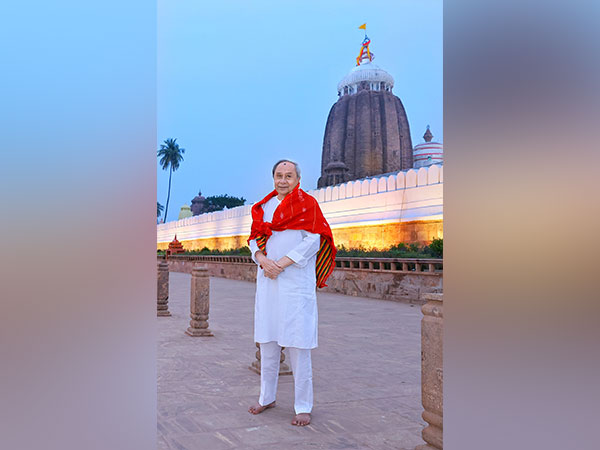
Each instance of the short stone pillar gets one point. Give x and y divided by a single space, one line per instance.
432 375
162 299
284 369
199 303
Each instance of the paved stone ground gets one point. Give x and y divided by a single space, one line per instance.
366 376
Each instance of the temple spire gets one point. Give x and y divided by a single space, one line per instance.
428 136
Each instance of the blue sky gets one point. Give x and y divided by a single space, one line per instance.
242 84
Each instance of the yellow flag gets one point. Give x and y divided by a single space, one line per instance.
363 27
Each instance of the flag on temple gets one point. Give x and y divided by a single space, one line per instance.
363 27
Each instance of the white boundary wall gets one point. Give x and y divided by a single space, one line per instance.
415 194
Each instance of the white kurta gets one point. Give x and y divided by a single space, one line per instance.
285 309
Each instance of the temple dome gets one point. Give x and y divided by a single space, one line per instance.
369 73
185 212
198 204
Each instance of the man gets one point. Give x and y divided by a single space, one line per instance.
292 243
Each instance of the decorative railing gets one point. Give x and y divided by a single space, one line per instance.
405 265
421 265
243 259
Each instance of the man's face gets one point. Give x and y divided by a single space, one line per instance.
285 178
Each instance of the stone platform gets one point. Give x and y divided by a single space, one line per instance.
366 376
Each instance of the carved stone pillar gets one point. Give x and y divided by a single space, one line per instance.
162 300
199 303
284 369
432 375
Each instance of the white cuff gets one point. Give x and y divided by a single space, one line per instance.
300 260
253 249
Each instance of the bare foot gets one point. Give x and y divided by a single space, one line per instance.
257 408
301 419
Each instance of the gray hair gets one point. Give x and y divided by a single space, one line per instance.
296 166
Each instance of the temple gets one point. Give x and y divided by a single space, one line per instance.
428 152
198 203
175 246
367 131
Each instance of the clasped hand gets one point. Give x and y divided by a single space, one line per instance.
272 269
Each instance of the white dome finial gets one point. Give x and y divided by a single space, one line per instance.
366 75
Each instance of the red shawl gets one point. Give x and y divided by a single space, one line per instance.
297 211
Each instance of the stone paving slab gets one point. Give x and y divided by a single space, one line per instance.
366 376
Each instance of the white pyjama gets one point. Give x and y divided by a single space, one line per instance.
301 368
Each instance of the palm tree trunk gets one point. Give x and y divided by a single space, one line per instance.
168 194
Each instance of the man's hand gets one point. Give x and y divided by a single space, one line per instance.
271 268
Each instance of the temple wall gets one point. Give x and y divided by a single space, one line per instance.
373 213
382 236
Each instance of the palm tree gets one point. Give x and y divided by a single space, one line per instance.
170 155
159 209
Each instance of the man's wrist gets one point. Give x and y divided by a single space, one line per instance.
285 262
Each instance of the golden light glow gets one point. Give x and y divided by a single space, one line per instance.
380 236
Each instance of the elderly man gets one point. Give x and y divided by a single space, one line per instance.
292 243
